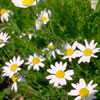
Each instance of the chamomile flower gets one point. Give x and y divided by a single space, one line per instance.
87 51
24 3
94 4
59 75
30 35
35 62
12 67
83 91
70 51
5 14
3 39
52 50
44 16
16 78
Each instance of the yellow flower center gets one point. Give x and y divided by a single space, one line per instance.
1 41
87 52
27 2
69 52
60 74
3 11
28 33
35 60
52 47
84 92
44 19
14 78
14 67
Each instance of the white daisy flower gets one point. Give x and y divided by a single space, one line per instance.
5 14
12 67
16 78
3 39
70 51
52 50
59 75
30 35
94 4
83 91
24 3
44 16
87 51
35 61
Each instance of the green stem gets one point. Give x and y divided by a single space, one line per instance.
24 76
47 29
5 51
33 12
14 26
53 33
37 6
52 28
27 46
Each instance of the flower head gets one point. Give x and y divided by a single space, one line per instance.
87 51
52 50
59 75
3 39
83 91
5 14
24 3
12 67
44 16
16 78
70 51
30 35
35 61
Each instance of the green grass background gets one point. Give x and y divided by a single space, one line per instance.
71 20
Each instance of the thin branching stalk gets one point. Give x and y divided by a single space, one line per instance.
33 12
